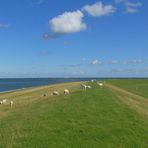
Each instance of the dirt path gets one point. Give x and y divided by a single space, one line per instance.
134 101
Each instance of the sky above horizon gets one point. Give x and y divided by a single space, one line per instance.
85 38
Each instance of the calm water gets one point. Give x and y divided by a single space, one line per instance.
13 84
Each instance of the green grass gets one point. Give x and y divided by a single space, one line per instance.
95 118
137 86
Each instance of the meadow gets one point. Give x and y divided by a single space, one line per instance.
114 116
137 86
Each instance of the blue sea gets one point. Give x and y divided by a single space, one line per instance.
20 83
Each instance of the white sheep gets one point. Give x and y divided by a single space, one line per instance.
100 84
55 93
4 101
66 91
83 86
11 103
88 86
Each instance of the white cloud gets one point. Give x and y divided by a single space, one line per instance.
99 9
113 62
132 7
96 62
68 22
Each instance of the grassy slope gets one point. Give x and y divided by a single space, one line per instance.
137 86
95 118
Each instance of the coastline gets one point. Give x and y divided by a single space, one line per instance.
11 85
35 88
54 83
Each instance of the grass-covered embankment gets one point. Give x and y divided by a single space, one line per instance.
137 86
87 119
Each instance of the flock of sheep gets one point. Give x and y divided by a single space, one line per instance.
66 92
5 101
83 86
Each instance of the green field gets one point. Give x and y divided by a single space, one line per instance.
105 117
138 86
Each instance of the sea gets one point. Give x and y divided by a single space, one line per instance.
11 84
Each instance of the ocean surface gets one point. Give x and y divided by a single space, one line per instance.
20 83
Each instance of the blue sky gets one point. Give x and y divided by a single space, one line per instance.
85 38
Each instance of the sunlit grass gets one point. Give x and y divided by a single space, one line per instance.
84 119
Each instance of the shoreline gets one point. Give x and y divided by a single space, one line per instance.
12 85
40 87
58 83
20 89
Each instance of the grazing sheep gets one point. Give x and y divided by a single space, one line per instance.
100 84
66 91
1 102
88 86
11 103
92 80
83 86
55 93
4 101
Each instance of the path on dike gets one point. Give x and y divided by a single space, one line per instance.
134 101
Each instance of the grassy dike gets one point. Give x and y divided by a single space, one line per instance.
96 118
